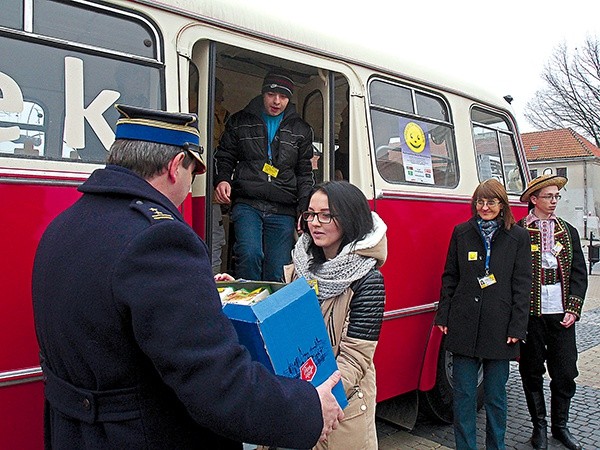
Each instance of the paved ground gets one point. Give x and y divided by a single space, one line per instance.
584 420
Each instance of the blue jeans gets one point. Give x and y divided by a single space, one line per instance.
464 378
263 243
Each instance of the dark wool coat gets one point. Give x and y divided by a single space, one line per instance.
242 154
480 320
127 313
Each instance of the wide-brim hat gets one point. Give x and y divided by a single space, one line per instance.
171 128
540 183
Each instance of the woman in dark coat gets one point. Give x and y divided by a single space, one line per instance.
483 310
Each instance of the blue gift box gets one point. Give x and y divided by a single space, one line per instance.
286 332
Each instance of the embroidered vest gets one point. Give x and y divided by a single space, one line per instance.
564 259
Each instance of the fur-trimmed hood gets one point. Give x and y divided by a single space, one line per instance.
373 245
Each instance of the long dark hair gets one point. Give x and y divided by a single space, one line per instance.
350 210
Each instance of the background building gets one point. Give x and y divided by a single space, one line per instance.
566 153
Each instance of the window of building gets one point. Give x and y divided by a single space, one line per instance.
533 173
561 172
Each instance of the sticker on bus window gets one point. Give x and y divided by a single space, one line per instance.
416 154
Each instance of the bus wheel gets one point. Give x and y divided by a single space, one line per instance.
437 403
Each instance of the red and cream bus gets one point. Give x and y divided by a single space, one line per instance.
414 141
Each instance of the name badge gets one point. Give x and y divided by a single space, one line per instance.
270 170
314 284
557 248
486 281
472 256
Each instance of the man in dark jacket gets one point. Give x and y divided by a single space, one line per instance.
263 166
135 349
557 294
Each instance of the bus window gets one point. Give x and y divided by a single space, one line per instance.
496 149
413 136
78 23
432 107
332 134
391 96
12 14
70 115
313 114
31 123
342 150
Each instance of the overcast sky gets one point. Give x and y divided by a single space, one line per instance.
501 45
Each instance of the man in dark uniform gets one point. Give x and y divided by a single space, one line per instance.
557 294
135 349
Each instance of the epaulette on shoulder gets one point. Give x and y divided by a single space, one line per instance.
153 212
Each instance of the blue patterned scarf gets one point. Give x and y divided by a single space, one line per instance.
487 229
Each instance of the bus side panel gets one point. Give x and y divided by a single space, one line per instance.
399 354
21 404
418 234
429 371
198 215
21 416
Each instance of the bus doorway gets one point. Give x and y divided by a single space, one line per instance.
227 87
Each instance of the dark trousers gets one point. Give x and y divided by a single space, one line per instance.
464 378
551 343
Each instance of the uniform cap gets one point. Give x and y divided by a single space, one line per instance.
540 183
162 127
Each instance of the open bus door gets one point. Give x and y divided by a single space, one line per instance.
324 103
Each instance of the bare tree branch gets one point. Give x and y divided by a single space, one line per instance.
571 97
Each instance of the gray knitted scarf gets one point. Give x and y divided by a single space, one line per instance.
333 276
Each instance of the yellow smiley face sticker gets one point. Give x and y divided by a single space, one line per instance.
414 137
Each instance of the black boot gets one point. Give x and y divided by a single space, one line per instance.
537 410
560 417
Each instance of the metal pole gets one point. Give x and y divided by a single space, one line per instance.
591 264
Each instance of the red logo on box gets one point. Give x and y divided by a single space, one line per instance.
308 370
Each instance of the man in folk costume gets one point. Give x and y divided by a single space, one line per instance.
558 290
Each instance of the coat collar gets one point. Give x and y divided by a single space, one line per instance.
118 180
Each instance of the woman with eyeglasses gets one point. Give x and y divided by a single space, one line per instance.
483 310
340 251
343 245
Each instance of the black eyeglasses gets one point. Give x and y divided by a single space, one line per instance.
550 197
322 217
